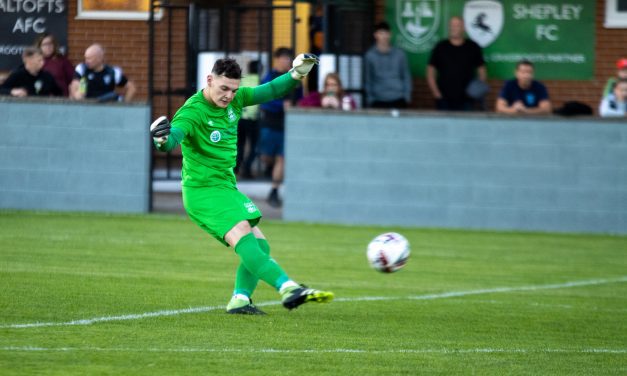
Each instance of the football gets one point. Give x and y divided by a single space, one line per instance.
388 252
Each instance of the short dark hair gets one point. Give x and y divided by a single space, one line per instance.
524 62
30 51
382 26
283 51
228 68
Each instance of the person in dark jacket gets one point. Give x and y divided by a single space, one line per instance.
30 78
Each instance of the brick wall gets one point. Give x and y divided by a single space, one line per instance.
126 44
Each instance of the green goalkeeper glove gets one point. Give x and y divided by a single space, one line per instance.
302 65
160 129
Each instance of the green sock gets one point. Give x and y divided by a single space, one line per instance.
258 262
245 281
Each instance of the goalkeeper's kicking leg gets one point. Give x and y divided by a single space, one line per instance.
256 263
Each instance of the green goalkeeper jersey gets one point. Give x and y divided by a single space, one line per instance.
208 133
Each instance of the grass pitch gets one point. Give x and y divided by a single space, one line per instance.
144 295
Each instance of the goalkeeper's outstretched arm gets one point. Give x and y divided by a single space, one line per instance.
282 85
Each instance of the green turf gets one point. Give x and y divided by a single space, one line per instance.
59 267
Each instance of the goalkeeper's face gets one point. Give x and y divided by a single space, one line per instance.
221 90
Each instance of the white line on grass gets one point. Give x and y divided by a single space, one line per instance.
444 295
315 351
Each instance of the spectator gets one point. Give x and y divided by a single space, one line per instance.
248 127
388 82
30 78
621 66
272 124
55 62
455 61
95 79
615 103
523 95
332 96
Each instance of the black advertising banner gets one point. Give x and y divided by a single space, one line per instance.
22 21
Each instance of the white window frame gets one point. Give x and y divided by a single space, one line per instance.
614 18
114 14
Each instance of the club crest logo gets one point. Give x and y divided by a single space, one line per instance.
38 86
417 20
215 136
483 20
231 114
250 207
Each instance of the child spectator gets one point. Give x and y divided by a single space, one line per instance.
615 103
332 96
30 78
621 72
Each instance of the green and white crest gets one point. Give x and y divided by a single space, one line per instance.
215 136
417 20
231 114
250 207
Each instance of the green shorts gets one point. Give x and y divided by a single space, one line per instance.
218 210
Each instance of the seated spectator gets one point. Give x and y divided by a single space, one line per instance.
55 63
621 72
97 80
615 103
523 95
332 96
30 78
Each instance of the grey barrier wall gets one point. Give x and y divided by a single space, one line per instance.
75 156
457 171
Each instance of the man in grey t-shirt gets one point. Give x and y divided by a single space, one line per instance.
388 81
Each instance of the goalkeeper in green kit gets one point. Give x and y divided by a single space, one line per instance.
206 128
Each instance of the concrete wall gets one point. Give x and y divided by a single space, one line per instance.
61 155
470 171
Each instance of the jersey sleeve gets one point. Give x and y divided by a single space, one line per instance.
245 96
182 126
277 88
478 58
543 93
505 92
8 84
120 78
174 139
79 71
434 58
